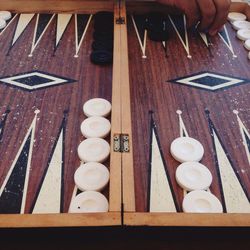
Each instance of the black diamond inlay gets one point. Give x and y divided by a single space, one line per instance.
210 81
33 80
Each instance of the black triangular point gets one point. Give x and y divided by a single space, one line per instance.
12 195
82 20
180 25
43 21
247 141
140 24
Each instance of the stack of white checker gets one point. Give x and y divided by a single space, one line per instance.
194 177
240 23
92 176
4 17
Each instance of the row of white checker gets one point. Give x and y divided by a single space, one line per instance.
194 177
4 16
239 23
92 176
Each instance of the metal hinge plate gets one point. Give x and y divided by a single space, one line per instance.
121 143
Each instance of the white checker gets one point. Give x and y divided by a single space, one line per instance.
2 23
89 202
239 25
95 126
193 176
243 34
93 150
97 107
236 16
185 149
6 15
200 201
91 176
247 44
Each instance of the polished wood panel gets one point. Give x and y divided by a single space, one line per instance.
53 102
152 89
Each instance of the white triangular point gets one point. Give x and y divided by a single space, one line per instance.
34 42
244 132
62 23
31 130
204 38
24 20
186 42
9 23
228 42
49 198
142 43
183 133
234 195
78 45
183 130
161 199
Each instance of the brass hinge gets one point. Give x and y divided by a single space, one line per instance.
121 143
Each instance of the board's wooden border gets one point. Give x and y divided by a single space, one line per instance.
54 6
60 220
115 192
127 158
186 220
121 183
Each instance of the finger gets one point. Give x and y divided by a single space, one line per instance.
192 13
207 12
222 9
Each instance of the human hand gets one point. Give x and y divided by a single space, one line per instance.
212 14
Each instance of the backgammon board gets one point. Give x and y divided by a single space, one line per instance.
190 85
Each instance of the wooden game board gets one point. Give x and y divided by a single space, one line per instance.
46 76
184 87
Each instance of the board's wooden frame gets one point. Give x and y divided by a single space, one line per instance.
122 196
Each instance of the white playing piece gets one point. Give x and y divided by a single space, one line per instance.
185 149
93 150
239 25
91 176
247 44
89 202
193 176
2 23
95 126
243 34
201 201
6 15
97 107
235 16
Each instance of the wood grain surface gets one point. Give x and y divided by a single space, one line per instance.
90 81
152 89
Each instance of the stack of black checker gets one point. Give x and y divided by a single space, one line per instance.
102 46
156 26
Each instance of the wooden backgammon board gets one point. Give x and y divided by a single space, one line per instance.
190 85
